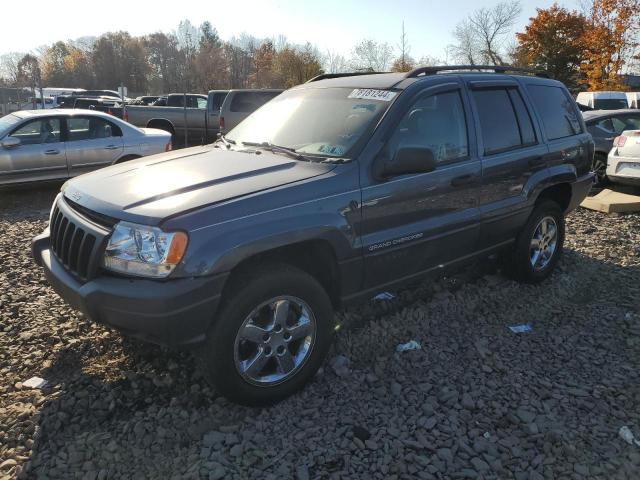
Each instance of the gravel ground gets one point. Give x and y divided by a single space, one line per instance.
477 401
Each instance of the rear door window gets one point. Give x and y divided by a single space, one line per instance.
557 111
89 128
498 122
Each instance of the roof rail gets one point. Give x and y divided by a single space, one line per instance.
325 76
493 68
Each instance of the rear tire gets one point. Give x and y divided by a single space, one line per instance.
539 244
270 336
126 158
599 166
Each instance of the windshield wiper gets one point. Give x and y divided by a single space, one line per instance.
291 152
227 142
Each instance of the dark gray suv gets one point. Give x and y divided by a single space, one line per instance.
335 190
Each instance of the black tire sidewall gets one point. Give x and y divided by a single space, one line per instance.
217 354
522 267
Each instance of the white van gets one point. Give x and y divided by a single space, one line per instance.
603 100
633 99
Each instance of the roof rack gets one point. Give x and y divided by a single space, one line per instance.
492 68
325 76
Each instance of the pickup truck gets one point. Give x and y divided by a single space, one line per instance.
332 192
199 127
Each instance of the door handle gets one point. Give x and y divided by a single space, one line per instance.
111 147
462 180
51 152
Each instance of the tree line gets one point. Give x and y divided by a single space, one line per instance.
189 59
588 49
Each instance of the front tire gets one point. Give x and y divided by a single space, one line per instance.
539 244
270 337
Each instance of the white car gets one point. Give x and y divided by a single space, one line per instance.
603 100
623 163
52 145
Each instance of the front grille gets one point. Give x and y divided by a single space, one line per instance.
74 243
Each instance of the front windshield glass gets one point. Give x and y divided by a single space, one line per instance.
315 121
6 123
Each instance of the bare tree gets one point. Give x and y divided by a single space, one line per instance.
9 66
333 62
404 62
372 56
481 36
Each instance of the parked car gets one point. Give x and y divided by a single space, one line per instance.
633 99
330 193
108 105
215 99
68 101
239 104
604 126
603 100
170 118
623 165
51 145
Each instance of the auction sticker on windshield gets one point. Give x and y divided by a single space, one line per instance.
371 94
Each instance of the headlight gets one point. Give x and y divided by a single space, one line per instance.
144 251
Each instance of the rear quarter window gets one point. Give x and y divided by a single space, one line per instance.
557 111
250 101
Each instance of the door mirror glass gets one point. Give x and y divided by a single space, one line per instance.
409 160
10 142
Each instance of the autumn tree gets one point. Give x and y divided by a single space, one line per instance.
264 72
609 42
53 67
552 41
296 65
210 66
118 57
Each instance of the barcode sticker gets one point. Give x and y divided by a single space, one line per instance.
371 94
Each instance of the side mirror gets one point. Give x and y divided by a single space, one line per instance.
10 142
409 160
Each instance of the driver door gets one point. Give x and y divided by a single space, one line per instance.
414 223
40 156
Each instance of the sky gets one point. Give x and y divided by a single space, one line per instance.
332 25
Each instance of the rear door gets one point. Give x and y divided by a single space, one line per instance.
416 222
40 155
512 155
91 142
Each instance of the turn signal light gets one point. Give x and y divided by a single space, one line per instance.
221 123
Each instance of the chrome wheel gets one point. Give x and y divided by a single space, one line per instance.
543 244
274 341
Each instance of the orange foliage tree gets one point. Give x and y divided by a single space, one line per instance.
609 42
552 42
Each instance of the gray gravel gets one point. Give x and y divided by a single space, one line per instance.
477 401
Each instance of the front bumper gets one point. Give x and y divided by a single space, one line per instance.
174 312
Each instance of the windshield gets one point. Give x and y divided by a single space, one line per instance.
317 121
610 103
6 123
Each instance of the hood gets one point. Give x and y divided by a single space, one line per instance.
150 189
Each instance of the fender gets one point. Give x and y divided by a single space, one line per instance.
555 175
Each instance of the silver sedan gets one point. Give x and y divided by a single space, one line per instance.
48 145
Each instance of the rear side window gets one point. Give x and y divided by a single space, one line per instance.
216 101
249 101
557 111
498 120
